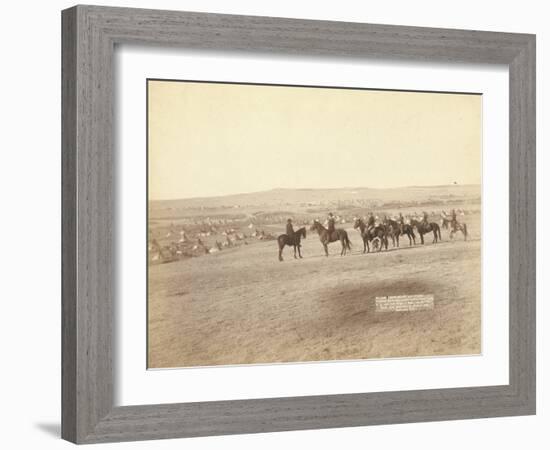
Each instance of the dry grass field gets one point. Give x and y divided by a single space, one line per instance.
241 305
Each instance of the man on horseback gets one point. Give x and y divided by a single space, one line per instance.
454 222
331 224
401 221
370 222
290 230
425 219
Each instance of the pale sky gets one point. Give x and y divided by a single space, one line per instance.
208 139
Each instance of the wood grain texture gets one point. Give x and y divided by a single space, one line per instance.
523 223
89 36
68 226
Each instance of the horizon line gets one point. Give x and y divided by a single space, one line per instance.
201 197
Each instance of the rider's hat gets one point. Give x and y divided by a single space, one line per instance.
289 220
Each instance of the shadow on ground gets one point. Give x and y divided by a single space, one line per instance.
53 429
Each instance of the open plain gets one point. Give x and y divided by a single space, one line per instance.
237 304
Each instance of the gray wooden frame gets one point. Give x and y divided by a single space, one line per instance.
89 36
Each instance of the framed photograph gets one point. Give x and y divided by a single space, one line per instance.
278 224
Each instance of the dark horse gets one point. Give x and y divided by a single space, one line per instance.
447 224
396 229
377 235
285 239
338 235
426 227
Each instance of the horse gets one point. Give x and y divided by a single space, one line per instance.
425 227
326 238
285 239
462 227
376 235
396 229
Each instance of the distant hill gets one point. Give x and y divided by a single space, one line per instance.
319 197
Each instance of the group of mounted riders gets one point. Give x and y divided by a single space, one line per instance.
373 232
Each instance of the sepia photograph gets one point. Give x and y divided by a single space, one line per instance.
299 224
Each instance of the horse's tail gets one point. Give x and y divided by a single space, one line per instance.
348 242
438 232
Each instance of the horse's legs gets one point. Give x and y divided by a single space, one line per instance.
343 252
421 238
295 251
326 248
364 245
280 252
299 251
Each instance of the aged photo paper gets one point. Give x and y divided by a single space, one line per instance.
304 223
